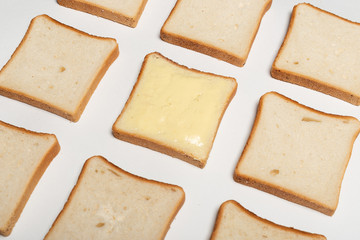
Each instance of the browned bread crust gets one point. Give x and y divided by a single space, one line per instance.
130 21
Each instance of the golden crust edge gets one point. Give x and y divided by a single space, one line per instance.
314 84
93 9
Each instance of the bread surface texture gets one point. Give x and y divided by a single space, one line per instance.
24 157
126 12
235 222
297 153
175 110
56 67
321 51
221 29
109 203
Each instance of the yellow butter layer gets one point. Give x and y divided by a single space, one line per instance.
176 107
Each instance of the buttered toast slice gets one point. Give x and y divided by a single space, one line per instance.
221 29
297 153
235 222
24 157
109 203
321 51
175 110
126 12
56 67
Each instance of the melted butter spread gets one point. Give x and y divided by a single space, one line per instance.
176 107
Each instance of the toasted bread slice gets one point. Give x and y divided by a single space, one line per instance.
297 153
24 157
175 110
321 51
109 203
221 29
236 222
126 12
56 67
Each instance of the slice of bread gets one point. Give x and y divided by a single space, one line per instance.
126 12
236 222
221 29
24 157
175 110
297 153
321 51
109 203
56 67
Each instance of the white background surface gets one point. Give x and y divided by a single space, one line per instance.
205 188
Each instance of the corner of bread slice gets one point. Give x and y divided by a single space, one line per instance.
332 68
111 203
65 68
303 155
25 155
175 110
124 12
234 222
225 32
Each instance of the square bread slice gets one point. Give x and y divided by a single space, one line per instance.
24 157
235 222
175 110
56 67
109 203
126 12
321 51
297 153
221 29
